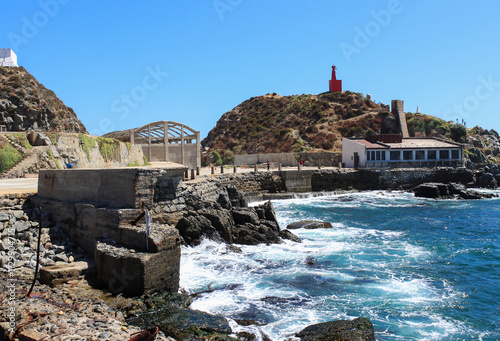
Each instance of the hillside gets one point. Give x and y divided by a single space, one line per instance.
26 104
317 123
279 124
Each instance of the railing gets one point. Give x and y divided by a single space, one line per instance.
414 164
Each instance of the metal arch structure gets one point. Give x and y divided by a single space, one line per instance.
166 141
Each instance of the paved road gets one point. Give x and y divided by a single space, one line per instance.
21 185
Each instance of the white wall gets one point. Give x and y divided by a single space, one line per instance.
8 58
349 147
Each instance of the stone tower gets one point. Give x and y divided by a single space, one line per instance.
397 108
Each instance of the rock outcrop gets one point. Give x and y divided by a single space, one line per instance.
360 329
448 191
229 219
25 104
309 224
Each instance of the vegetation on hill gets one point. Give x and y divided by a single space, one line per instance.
279 124
26 104
317 123
9 155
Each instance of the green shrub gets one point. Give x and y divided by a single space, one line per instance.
215 159
458 133
109 148
9 156
87 143
135 164
145 159
228 157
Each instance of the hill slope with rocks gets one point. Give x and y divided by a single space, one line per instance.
280 124
317 123
25 104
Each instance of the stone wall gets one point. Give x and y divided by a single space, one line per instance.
103 211
365 179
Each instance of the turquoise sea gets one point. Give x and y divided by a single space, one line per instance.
419 269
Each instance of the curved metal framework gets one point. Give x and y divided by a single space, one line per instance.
171 135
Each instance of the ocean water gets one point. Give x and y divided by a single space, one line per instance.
419 269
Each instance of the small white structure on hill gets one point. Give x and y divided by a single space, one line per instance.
8 58
395 151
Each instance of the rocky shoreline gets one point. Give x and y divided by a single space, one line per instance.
67 307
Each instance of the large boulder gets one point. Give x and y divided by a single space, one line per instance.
487 180
432 191
192 227
448 191
309 224
185 324
360 329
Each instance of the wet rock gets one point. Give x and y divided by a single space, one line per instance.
360 329
192 227
249 234
448 191
309 224
186 324
286 234
245 215
432 191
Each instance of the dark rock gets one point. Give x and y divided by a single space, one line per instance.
309 224
237 198
224 201
245 215
360 329
222 221
185 324
192 227
448 191
432 191
476 155
310 260
487 180
249 234
286 234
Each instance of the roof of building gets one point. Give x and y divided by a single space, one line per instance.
409 143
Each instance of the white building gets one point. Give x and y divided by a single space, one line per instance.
395 151
8 58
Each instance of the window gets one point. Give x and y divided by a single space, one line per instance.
444 154
395 155
368 156
420 155
431 155
455 154
378 155
407 154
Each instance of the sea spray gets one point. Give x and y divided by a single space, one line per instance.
417 268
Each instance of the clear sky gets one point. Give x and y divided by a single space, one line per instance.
123 64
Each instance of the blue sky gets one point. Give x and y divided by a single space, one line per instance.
124 64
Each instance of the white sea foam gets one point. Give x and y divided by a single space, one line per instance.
354 269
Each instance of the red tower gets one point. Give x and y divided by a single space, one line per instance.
335 85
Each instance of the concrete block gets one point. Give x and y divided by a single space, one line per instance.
135 273
57 274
